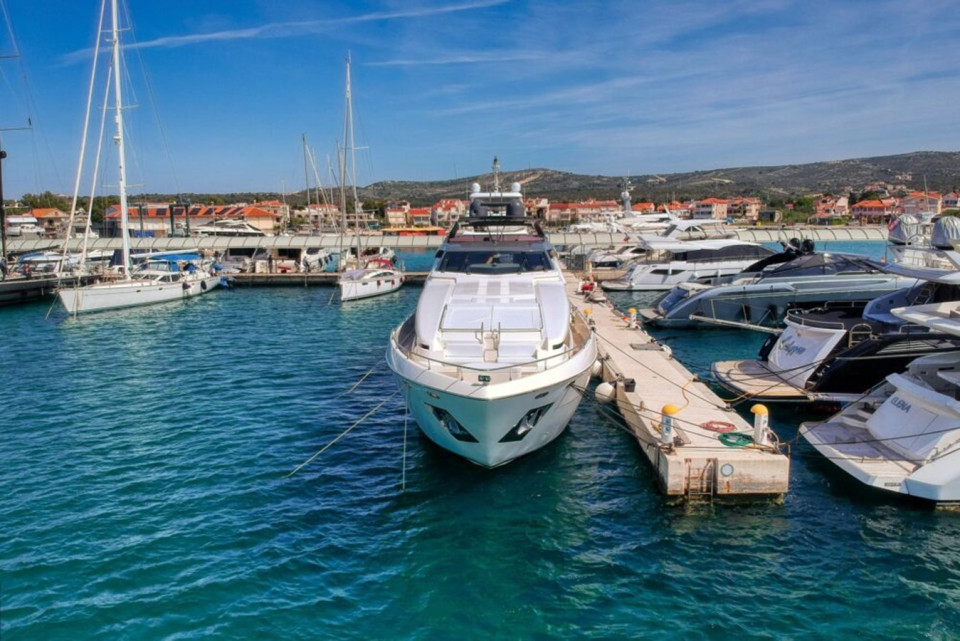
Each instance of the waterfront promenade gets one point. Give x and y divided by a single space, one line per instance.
773 233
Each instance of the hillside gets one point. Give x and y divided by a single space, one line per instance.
941 170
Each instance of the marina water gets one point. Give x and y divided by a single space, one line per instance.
149 467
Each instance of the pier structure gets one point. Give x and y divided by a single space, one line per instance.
20 289
699 447
415 243
304 279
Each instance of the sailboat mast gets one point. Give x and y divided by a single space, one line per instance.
118 118
306 175
351 149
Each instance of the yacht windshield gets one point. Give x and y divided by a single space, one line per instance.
494 262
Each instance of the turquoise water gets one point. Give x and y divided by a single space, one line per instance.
148 457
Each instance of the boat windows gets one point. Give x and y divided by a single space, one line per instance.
494 262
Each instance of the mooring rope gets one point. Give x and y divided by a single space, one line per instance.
403 477
342 434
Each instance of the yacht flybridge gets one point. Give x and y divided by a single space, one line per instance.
494 359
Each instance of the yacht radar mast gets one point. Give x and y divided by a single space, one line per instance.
625 195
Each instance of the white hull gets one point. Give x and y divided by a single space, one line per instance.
904 437
367 287
767 303
668 263
490 412
133 293
661 278
494 360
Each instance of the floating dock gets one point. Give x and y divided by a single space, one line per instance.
709 450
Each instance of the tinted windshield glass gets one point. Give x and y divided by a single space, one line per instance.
494 262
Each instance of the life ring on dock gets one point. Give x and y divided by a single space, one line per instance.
735 439
718 426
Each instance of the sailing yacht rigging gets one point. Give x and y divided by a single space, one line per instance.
371 275
155 281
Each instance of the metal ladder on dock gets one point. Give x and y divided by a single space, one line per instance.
702 483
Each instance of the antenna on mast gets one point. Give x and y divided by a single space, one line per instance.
496 174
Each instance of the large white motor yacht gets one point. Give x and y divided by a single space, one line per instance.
494 361
667 263
761 294
903 436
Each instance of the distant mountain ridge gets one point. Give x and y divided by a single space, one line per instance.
940 170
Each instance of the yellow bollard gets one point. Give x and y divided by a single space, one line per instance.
761 418
666 424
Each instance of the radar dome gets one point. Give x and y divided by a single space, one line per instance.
475 188
945 232
515 187
903 229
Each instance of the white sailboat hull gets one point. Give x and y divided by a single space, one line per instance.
367 287
132 293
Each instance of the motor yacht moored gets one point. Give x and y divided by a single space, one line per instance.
903 435
494 360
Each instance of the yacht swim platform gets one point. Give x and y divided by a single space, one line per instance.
699 463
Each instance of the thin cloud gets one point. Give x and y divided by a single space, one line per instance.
463 59
293 28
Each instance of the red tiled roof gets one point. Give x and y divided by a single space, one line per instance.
46 212
870 204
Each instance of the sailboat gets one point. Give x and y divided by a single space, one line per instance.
372 275
155 280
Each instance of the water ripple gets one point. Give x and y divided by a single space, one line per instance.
146 462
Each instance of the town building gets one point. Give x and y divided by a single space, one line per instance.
447 211
922 204
875 211
169 219
566 213
747 208
52 220
710 209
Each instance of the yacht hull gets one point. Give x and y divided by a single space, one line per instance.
764 305
491 428
106 296
903 436
653 279
367 287
491 416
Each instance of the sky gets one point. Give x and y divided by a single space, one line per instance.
220 93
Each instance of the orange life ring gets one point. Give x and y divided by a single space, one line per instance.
718 426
